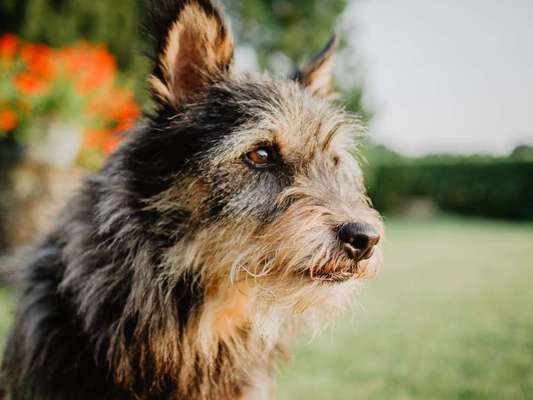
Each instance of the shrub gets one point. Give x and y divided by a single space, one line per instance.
76 83
502 188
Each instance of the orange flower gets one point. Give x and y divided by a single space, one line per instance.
92 67
101 73
8 120
104 140
38 60
71 61
111 144
29 84
88 69
95 138
124 125
8 45
114 104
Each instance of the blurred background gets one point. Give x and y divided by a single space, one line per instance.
446 89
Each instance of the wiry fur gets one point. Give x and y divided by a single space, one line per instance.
179 271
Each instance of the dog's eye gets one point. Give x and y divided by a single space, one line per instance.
261 157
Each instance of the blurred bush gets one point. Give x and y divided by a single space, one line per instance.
43 88
485 186
59 23
275 31
283 33
60 108
296 27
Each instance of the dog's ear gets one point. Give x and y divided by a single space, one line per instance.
317 75
194 48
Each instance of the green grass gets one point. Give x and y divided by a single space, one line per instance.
450 316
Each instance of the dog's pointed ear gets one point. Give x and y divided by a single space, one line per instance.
194 48
317 75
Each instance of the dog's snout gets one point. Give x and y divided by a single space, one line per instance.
358 239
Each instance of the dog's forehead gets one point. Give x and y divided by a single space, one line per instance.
281 112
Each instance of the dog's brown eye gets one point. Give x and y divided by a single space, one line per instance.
260 157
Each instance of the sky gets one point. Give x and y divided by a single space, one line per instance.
447 75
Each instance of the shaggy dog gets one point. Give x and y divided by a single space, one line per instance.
232 215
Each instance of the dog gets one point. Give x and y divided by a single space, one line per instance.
233 215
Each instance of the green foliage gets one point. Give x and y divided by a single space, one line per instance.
500 188
297 28
294 27
523 152
379 154
61 22
353 99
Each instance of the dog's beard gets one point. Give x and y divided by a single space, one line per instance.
302 245
314 294
292 271
299 271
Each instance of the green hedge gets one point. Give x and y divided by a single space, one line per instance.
502 189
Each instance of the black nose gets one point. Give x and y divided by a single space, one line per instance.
358 240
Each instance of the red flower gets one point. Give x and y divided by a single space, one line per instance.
38 60
115 104
95 138
111 144
90 70
29 84
102 71
8 46
8 120
92 67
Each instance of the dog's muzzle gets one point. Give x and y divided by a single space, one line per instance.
357 242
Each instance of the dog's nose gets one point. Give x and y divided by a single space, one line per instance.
358 240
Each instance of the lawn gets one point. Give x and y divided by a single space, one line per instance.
450 316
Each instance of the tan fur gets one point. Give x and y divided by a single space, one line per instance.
317 76
261 285
198 46
264 285
227 313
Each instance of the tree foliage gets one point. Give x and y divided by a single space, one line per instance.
61 22
295 28
499 189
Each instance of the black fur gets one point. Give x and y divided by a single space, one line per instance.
74 304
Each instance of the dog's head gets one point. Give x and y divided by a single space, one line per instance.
251 178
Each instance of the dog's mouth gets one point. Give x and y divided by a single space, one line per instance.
338 275
332 277
341 269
